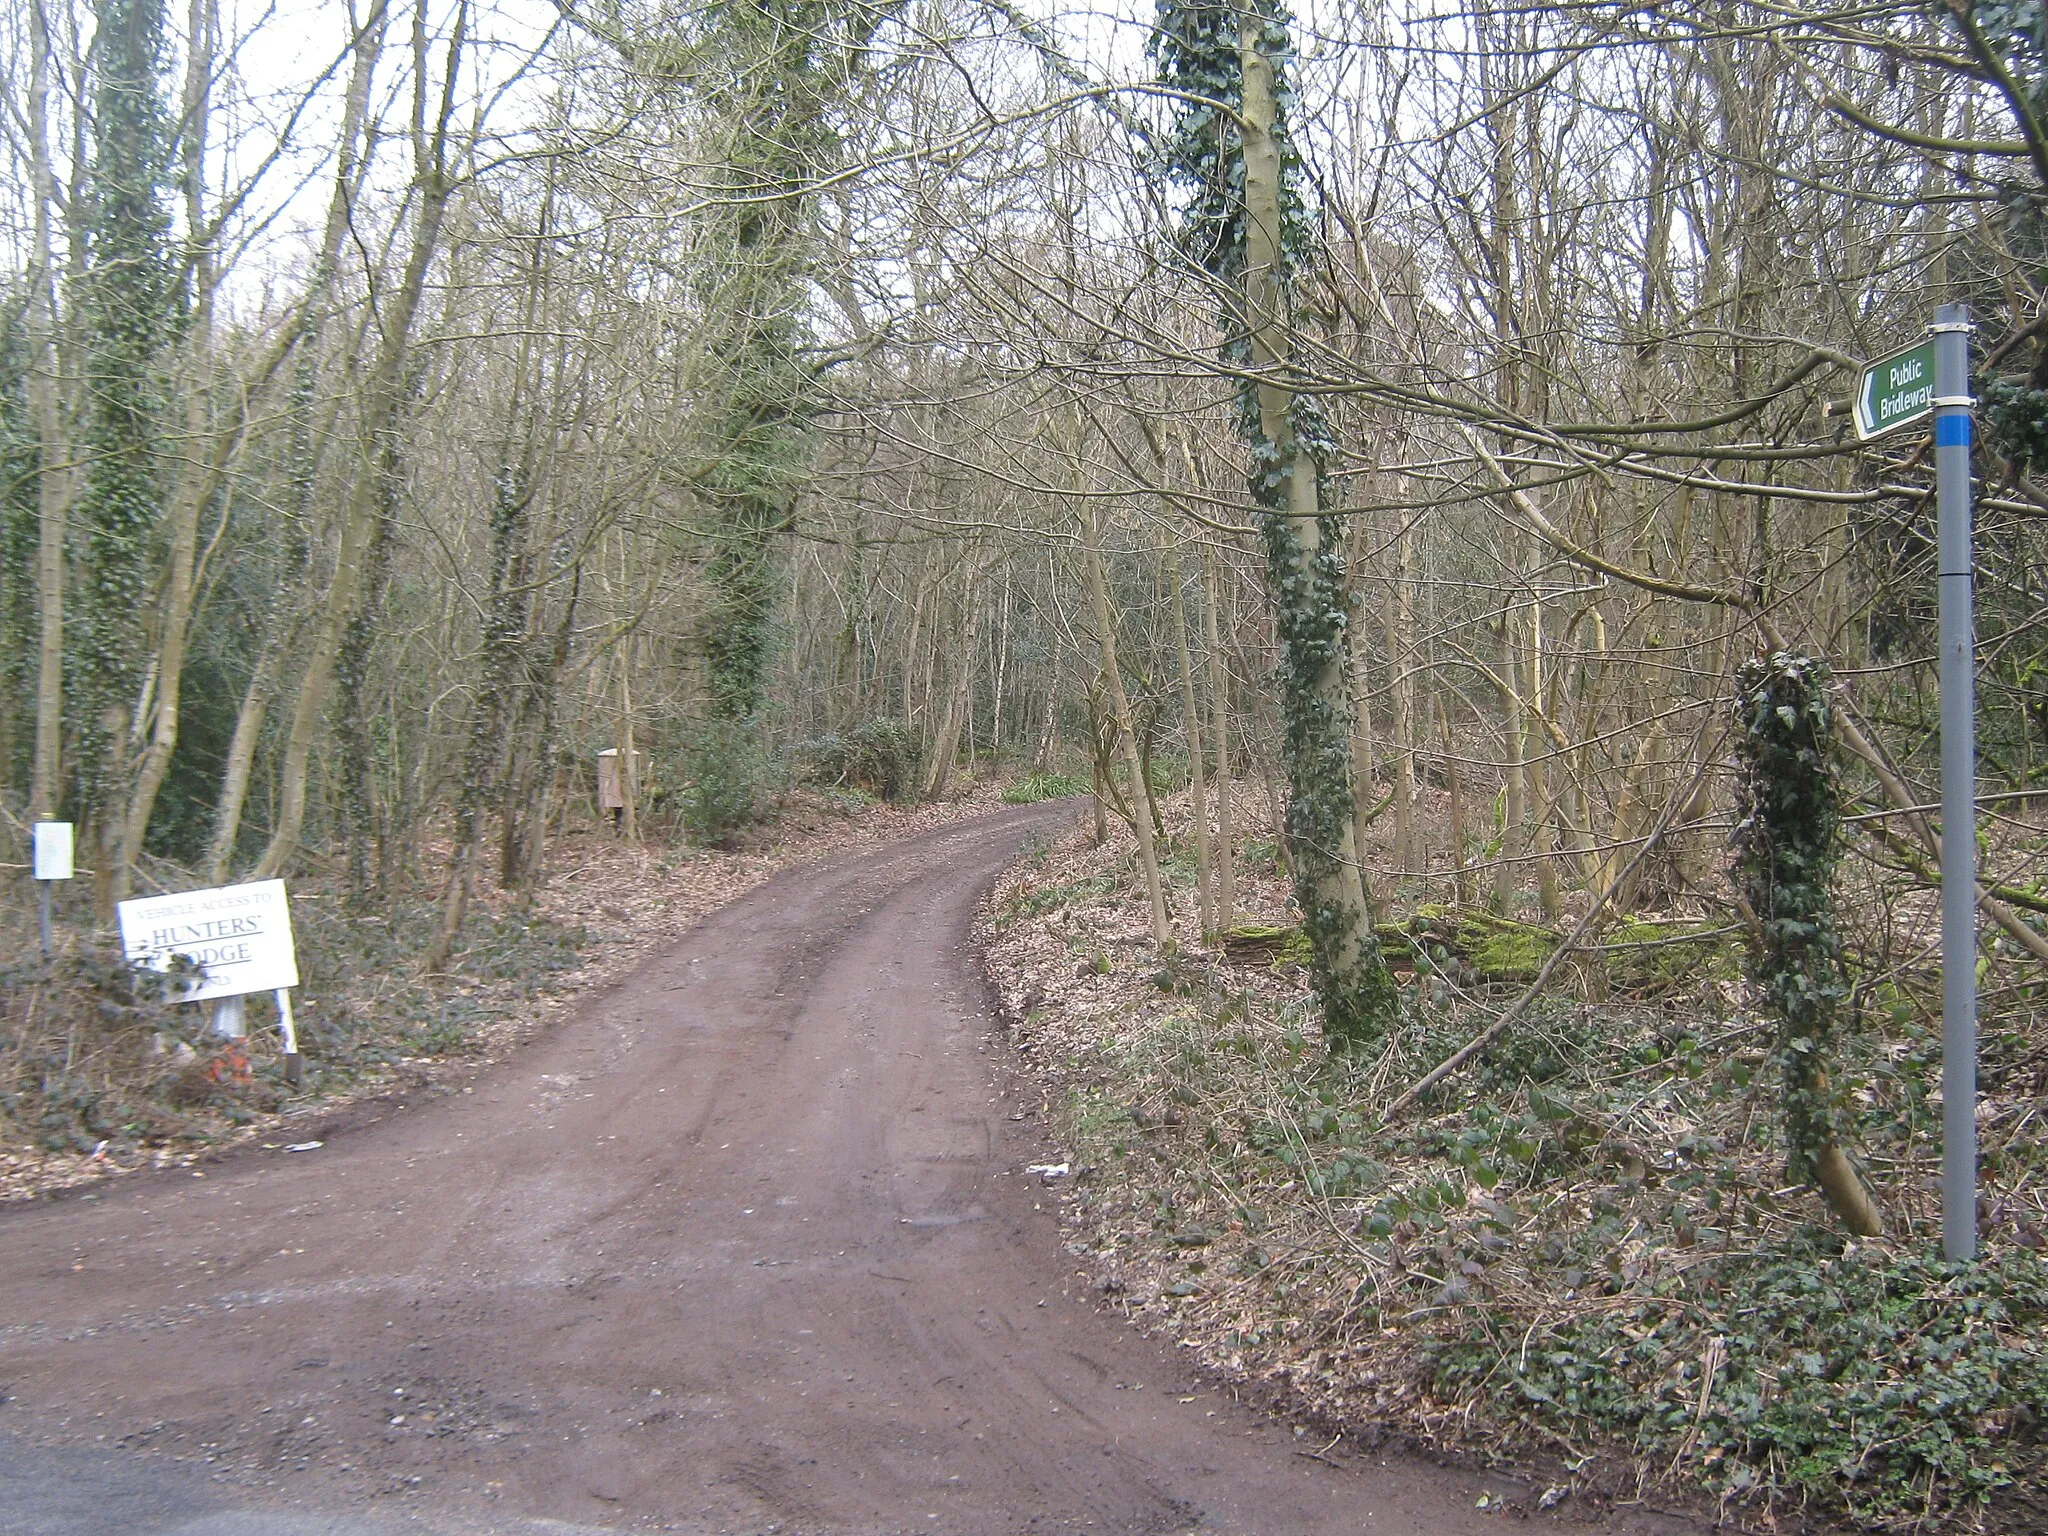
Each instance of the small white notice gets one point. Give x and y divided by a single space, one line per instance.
53 850
239 938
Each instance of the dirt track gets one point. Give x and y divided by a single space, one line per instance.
744 1247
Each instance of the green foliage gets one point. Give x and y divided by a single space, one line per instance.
1196 51
1168 772
1034 787
61 1027
1494 948
2018 418
1786 846
879 756
182 819
2018 30
371 1005
1498 1254
1580 1242
1037 900
1891 1382
727 781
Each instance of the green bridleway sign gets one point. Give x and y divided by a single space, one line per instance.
1896 390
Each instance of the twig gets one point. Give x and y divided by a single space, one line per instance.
1568 946
1323 1454
1710 1367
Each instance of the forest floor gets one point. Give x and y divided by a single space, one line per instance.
1577 1261
760 1239
1580 1254
97 1082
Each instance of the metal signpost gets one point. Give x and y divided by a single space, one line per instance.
1952 406
1933 378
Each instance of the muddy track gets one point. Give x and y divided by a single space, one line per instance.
744 1246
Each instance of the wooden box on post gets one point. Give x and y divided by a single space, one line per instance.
612 784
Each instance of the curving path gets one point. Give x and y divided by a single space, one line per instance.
745 1247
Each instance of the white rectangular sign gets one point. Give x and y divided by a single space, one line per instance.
53 850
239 936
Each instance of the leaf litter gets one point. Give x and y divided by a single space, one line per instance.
1580 1253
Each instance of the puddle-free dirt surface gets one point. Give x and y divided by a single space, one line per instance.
746 1246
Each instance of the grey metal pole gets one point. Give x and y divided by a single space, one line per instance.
1952 419
46 884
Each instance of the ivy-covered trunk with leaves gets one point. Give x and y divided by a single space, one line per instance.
130 302
1786 845
1247 229
774 72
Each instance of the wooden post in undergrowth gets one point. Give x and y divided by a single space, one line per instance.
1786 845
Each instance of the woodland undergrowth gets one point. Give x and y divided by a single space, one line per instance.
1582 1252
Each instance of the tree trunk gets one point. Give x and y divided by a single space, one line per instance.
1364 749
995 730
1400 674
1357 994
1198 797
200 471
1219 734
1112 672
281 616
490 710
1041 757
1461 889
524 834
629 766
384 399
234 779
53 452
1542 817
946 749
1506 869
356 790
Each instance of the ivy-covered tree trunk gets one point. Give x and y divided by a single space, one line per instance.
491 709
523 830
357 728
775 70
1248 230
130 303
199 475
1786 847
53 450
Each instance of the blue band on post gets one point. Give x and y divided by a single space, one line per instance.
1952 431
